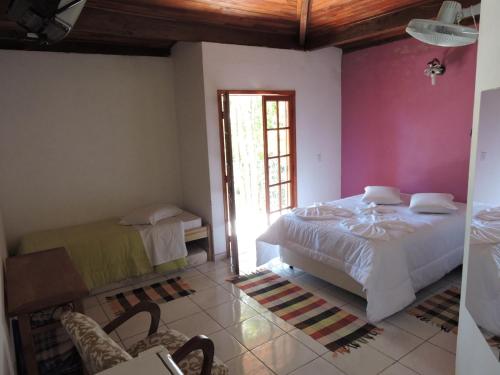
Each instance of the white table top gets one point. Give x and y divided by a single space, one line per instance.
154 361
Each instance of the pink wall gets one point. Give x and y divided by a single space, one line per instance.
399 130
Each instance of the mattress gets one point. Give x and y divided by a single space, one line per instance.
189 220
391 271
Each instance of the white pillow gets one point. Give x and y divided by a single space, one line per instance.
382 195
432 203
150 214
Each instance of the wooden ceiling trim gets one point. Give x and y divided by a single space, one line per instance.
71 46
386 26
304 17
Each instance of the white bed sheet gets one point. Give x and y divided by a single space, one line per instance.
483 283
164 242
389 271
483 286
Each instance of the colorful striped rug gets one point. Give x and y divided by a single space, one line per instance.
440 310
331 326
159 292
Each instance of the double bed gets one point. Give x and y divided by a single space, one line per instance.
105 252
386 271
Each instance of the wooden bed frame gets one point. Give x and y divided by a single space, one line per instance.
200 233
323 271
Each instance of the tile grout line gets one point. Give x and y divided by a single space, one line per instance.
222 283
415 371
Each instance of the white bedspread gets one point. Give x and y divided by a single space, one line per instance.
483 286
390 271
164 241
485 232
483 280
377 227
488 214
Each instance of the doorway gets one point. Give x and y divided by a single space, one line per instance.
257 133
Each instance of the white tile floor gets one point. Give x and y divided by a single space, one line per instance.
253 341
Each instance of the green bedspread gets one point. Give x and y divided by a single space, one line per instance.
104 252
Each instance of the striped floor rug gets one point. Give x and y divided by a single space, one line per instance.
440 310
331 326
158 292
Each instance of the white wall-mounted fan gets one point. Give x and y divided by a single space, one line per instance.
445 31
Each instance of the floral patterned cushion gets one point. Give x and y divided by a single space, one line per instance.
97 350
173 340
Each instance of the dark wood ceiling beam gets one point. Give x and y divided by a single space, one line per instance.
269 20
105 23
303 21
388 26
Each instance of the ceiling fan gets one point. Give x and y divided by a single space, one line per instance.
446 30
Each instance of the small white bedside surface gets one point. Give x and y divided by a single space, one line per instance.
154 361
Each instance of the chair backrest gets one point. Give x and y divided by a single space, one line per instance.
97 350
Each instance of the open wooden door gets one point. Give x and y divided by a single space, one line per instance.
277 170
228 180
279 154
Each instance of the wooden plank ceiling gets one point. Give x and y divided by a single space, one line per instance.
151 27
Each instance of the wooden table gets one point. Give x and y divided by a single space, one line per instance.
36 282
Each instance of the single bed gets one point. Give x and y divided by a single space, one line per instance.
105 252
387 273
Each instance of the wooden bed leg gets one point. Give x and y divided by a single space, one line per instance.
210 254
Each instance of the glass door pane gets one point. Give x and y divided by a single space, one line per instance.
278 154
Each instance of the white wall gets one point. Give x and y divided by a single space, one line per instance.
84 137
315 76
473 354
6 352
190 109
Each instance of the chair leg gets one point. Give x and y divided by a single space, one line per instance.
150 307
202 343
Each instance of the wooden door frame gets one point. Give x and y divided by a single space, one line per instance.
291 154
293 170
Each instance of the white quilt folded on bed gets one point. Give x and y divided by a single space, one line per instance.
390 271
377 210
164 241
484 232
377 228
323 212
489 214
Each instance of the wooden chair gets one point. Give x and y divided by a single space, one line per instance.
195 353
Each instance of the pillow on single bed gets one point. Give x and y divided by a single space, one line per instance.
150 214
432 203
382 195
